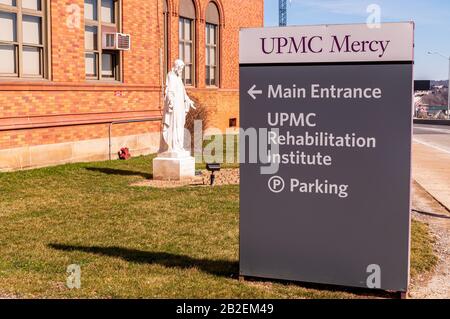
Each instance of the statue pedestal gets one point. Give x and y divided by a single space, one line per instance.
174 166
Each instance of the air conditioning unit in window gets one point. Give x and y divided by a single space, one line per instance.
116 41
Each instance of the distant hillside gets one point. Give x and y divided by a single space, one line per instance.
436 98
445 83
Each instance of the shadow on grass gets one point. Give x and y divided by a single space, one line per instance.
431 214
223 268
121 172
363 293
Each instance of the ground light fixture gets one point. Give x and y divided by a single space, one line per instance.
213 167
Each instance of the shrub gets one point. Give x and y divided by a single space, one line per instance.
201 113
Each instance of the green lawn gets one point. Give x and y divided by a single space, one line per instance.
132 241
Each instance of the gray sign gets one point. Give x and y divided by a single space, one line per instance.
336 209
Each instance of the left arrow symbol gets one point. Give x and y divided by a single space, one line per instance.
252 92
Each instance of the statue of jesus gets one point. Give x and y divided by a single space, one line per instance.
176 106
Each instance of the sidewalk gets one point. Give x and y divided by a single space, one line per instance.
435 284
431 169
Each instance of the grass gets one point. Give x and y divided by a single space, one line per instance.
423 258
132 242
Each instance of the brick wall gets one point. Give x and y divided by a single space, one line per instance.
68 108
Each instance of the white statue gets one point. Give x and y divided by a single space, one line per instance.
174 162
176 106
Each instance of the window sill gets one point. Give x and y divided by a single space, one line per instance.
8 80
46 85
104 82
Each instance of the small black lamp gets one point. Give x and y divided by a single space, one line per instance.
213 167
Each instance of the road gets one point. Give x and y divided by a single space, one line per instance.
431 160
434 136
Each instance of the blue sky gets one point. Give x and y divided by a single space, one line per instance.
432 18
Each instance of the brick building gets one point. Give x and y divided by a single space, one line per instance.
61 85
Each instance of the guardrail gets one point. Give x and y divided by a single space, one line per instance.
432 122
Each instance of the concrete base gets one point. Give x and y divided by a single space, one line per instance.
34 156
174 166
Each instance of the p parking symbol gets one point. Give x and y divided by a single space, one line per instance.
276 184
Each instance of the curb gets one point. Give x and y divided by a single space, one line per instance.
437 200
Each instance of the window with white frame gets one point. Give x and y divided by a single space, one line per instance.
211 55
186 47
186 31
212 45
166 19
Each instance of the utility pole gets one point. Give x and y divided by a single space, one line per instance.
448 90
282 18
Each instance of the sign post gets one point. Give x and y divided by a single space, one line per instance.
327 197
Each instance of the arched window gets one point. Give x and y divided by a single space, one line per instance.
212 45
187 40
166 37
